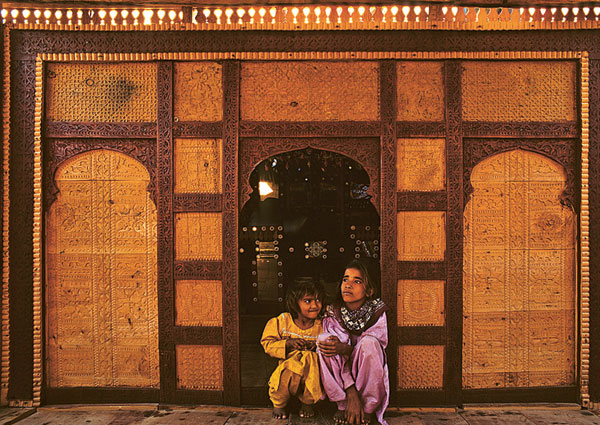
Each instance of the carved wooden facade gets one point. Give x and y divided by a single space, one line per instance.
476 145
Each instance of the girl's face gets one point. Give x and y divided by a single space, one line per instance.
353 289
310 306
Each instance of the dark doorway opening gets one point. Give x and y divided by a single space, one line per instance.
308 215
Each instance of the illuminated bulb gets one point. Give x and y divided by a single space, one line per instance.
306 12
172 15
251 13
124 14
37 13
47 14
597 11
317 13
218 13
531 10
262 12
206 13
57 14
586 10
27 12
4 13
161 14
135 13
295 13
228 13
240 12
147 16
14 13
264 188
102 14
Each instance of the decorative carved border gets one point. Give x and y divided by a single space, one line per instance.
422 201
307 55
57 151
388 210
563 151
5 314
198 129
206 270
521 129
584 229
364 151
192 202
37 236
420 129
165 231
59 129
454 233
310 129
422 270
231 326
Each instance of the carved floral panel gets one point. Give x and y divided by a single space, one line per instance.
198 91
102 318
101 92
421 165
420 91
198 303
420 366
198 236
310 91
198 166
420 303
199 367
519 275
519 91
421 235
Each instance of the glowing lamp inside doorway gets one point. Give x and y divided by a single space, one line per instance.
264 189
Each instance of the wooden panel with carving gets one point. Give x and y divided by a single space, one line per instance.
198 236
519 91
519 296
199 367
421 165
101 275
420 366
198 166
198 303
421 302
420 91
198 91
310 91
421 235
101 92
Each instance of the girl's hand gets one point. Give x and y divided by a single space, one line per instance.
310 345
332 346
355 414
293 344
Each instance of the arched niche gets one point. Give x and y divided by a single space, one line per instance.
519 281
101 281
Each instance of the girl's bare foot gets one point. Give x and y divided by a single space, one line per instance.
306 411
279 413
339 417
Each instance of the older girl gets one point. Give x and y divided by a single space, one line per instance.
351 350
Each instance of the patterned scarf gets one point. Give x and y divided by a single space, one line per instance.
356 321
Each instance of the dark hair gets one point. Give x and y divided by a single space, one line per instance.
300 288
368 282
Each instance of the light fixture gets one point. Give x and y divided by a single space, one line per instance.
264 188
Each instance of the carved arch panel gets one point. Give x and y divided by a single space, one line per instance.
519 282
102 319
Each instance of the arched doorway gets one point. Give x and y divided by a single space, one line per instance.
309 213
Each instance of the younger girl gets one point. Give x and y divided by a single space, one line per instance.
291 337
351 350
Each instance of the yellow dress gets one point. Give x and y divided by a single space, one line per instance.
303 363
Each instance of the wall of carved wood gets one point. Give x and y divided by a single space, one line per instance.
430 126
102 319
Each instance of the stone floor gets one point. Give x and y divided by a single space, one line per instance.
153 415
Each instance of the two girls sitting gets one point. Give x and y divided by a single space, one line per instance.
350 353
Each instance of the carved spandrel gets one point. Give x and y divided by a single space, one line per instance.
101 275
519 91
420 366
421 235
519 275
420 303
199 367
198 303
198 236
198 166
420 91
421 164
101 92
198 91
309 91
